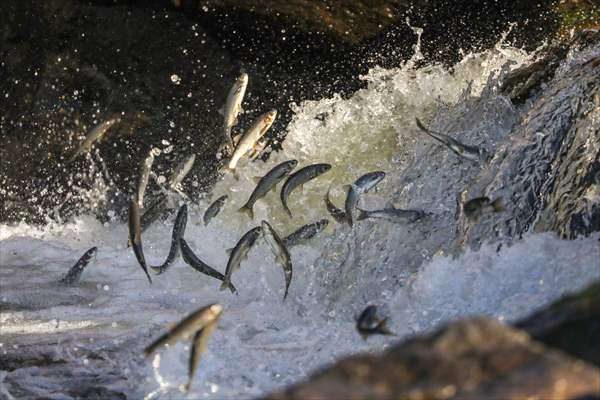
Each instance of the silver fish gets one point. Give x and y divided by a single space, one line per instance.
305 233
299 178
249 139
183 168
94 135
240 253
187 327
199 342
475 208
178 231
360 186
282 256
472 153
266 183
145 169
213 209
233 107
368 324
392 214
135 236
75 272
193 261
337 214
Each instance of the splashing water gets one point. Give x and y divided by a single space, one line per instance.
262 344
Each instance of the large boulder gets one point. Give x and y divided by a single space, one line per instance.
472 359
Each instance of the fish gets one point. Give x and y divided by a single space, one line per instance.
144 176
337 214
186 328
239 253
199 342
181 171
135 236
472 153
282 256
248 141
193 261
156 210
360 186
75 272
213 209
267 183
305 233
392 214
178 231
475 208
299 178
233 107
258 149
368 324
95 134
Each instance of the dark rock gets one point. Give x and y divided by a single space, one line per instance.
472 359
571 325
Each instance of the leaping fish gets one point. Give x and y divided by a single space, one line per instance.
187 327
135 236
239 253
75 272
305 233
249 139
144 176
213 209
472 153
199 342
299 178
233 107
94 135
178 231
282 256
190 259
360 186
266 183
368 324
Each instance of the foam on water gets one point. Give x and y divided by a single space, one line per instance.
263 344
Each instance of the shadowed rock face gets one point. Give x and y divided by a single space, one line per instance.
472 359
571 325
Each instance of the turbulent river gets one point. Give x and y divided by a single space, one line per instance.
419 274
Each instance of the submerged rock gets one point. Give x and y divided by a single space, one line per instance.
473 359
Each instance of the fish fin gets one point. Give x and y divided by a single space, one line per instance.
148 276
279 259
497 205
226 284
274 189
257 179
383 328
157 270
301 187
228 251
346 187
221 111
362 214
420 125
247 210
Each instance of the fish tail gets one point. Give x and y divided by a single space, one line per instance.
247 210
226 284
497 205
420 125
362 214
148 276
383 328
287 210
232 288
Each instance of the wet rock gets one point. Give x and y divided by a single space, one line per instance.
471 359
548 171
571 325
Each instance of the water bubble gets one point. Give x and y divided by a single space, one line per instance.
175 79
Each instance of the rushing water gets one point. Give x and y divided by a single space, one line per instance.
419 274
